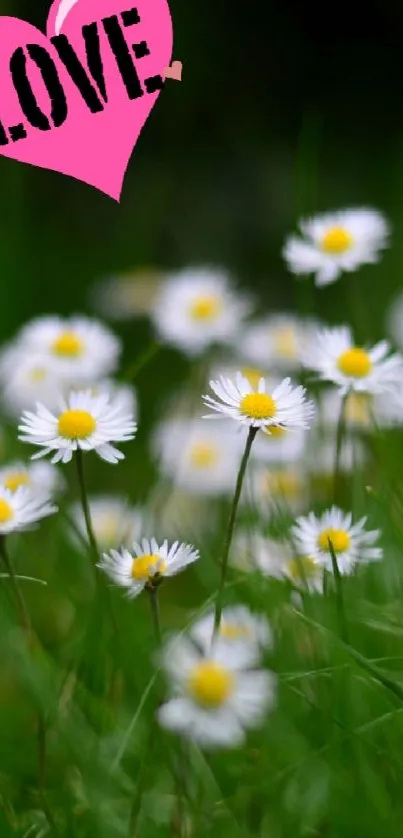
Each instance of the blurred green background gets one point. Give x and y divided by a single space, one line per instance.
284 108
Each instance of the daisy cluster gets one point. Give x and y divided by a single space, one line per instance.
257 430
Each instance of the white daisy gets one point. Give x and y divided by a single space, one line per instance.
26 378
201 458
20 510
114 522
123 395
336 242
251 373
274 558
197 307
41 478
334 356
83 422
243 633
78 348
216 699
362 411
285 408
146 564
351 543
276 342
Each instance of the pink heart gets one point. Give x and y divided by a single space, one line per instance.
91 147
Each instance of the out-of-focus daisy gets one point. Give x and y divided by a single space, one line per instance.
215 698
251 551
335 357
41 478
83 422
362 411
274 557
114 522
201 458
352 455
77 348
251 373
279 445
198 307
146 564
127 295
27 378
243 633
274 487
286 407
23 508
351 543
335 242
276 342
123 395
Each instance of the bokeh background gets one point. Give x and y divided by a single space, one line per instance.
284 108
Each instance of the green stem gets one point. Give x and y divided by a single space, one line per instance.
340 432
155 611
141 362
231 526
85 504
341 612
25 618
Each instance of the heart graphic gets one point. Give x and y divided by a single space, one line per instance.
94 147
174 71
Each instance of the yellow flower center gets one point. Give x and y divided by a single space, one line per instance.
285 342
205 308
13 481
6 511
336 240
258 406
232 631
358 409
210 684
38 374
339 540
76 424
252 375
68 344
147 566
106 528
355 362
285 483
274 432
203 455
302 567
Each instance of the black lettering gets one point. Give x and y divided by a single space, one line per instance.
154 83
17 132
3 135
130 17
76 70
24 91
122 55
141 49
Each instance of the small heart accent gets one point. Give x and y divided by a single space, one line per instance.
174 71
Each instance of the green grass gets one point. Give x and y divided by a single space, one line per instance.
81 754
